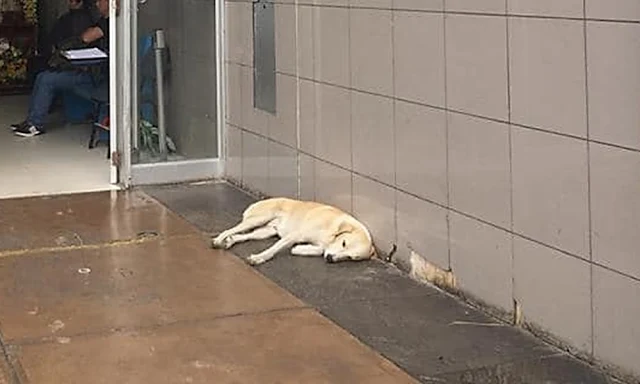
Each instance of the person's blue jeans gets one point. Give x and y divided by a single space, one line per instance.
48 84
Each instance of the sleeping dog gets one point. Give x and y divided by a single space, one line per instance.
309 228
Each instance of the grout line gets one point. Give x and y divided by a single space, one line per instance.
297 57
446 133
315 25
350 90
242 133
510 130
589 200
394 145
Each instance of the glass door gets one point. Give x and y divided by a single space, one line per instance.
171 96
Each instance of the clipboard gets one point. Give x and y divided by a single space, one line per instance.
85 56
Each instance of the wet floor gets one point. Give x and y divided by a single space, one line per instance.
113 287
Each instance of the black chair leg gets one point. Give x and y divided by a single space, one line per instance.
94 118
92 139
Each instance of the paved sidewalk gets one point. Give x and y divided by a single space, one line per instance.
115 288
434 337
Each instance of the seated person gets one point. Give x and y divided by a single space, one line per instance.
75 21
70 24
67 77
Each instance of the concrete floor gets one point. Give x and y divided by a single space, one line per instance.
122 287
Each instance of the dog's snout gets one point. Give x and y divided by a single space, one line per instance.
329 258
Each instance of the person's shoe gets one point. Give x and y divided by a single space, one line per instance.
28 130
19 125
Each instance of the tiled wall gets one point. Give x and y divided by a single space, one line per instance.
500 139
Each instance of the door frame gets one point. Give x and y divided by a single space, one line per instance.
113 95
122 68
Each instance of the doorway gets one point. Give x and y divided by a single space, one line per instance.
179 138
60 160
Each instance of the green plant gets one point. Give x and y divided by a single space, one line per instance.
150 138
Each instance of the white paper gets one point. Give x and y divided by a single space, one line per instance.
84 54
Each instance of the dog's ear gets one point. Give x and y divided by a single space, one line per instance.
343 228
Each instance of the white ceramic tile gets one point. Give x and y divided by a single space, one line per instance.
558 8
554 291
423 5
490 6
613 9
616 329
481 260
331 45
550 190
479 180
371 50
476 54
418 49
614 82
615 208
547 76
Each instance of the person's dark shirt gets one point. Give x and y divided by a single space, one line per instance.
103 42
71 24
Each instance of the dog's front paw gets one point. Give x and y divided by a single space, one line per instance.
222 242
217 242
254 260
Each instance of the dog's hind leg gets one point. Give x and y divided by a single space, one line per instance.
258 234
270 252
307 250
251 222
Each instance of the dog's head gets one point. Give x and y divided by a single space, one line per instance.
350 242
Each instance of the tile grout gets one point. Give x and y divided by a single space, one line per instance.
589 187
512 239
350 69
446 129
394 115
298 109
